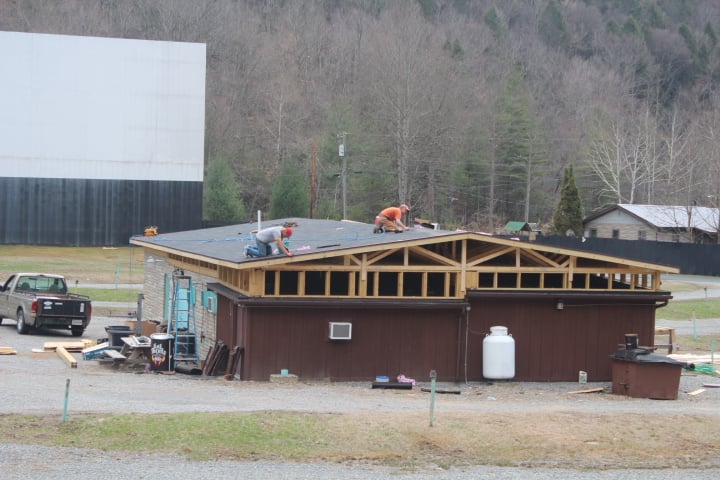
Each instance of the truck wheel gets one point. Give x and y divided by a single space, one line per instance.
76 332
22 327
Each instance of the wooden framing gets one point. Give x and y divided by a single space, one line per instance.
432 268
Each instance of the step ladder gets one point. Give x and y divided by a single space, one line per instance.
182 320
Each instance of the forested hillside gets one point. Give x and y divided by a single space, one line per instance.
467 110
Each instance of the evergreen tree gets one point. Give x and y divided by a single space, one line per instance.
520 151
710 32
494 20
553 29
290 194
569 213
221 198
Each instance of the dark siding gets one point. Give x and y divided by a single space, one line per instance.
82 212
226 326
550 344
384 342
554 345
691 259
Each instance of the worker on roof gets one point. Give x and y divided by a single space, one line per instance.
390 220
265 238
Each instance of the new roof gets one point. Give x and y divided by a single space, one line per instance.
309 236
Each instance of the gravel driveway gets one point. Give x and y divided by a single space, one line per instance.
35 383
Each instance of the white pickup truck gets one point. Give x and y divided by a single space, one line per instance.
41 300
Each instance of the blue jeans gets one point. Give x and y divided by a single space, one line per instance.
261 250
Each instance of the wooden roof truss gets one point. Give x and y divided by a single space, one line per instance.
435 268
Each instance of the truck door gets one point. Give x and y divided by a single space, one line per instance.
5 299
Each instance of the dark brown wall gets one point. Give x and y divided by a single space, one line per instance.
550 344
384 342
554 345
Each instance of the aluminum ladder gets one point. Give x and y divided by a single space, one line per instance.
182 320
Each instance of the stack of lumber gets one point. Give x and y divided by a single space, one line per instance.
216 360
7 351
63 350
222 360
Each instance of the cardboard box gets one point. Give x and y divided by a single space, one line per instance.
147 327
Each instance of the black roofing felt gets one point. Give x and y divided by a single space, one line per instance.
309 236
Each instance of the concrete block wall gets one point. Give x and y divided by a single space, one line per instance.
157 267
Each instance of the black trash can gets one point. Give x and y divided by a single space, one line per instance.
115 334
161 353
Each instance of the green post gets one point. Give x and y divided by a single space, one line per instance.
65 407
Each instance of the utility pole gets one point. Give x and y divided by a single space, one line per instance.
343 175
313 179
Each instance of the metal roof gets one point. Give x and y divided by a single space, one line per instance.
515 226
669 216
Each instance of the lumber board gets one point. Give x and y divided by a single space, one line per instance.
7 351
66 357
76 346
588 390
711 385
696 392
441 390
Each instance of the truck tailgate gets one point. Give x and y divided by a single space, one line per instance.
62 307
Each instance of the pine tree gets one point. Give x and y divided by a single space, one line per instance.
290 194
221 198
552 28
569 213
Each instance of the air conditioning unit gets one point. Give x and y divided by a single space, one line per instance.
340 330
211 304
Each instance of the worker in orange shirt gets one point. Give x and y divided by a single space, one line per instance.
390 220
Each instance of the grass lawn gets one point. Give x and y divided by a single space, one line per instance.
76 264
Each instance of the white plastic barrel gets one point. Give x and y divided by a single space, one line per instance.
498 354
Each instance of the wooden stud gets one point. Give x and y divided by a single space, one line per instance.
66 357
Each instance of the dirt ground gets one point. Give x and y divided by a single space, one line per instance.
495 423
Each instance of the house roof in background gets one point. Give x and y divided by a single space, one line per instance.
667 216
517 227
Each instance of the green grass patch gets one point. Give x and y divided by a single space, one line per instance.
528 439
108 294
81 264
199 436
689 309
696 344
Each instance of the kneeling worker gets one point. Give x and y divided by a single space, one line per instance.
264 239
390 220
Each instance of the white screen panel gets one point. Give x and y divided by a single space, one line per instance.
101 108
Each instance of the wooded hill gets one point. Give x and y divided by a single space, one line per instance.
467 110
